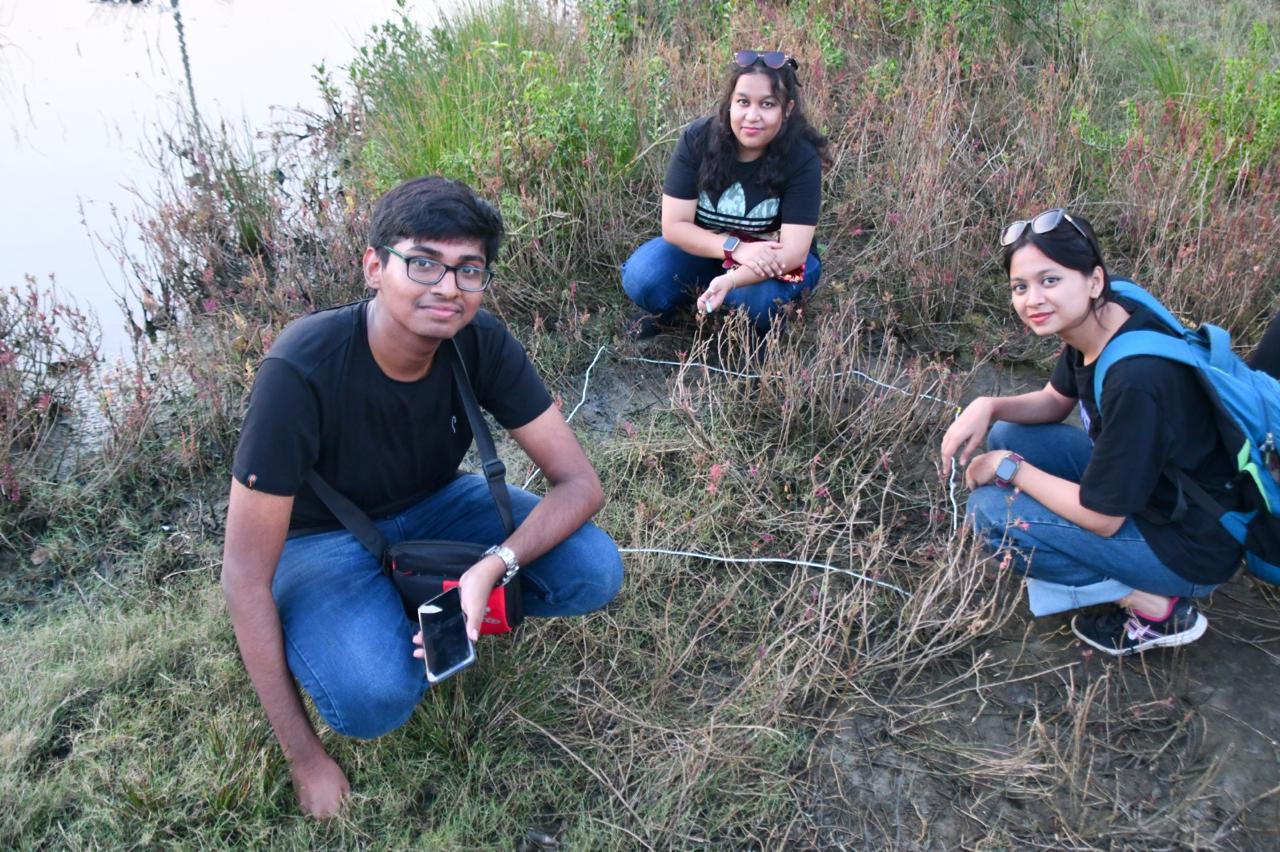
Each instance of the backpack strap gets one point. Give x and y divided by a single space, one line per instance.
1126 289
1160 345
1134 343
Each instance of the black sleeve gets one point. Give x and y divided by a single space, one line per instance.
1130 451
506 383
682 170
802 197
1062 379
1267 356
280 439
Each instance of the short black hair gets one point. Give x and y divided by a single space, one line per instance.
1075 249
435 208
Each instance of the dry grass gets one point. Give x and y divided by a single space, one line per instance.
900 699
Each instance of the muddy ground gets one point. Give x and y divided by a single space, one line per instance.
1035 741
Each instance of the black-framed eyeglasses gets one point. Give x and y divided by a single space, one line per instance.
1041 224
425 270
773 58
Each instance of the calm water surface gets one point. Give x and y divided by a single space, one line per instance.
85 88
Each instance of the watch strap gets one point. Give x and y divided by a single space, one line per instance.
508 558
1006 481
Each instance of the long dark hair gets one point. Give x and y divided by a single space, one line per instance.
1077 250
718 161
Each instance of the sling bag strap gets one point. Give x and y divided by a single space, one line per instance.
362 527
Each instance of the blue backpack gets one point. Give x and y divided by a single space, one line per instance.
1247 409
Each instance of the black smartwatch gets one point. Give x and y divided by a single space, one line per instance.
1007 469
730 246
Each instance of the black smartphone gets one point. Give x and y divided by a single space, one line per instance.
446 647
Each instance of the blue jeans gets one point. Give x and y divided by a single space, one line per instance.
347 640
1067 566
661 278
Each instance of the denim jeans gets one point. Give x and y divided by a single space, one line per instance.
662 278
347 640
1067 566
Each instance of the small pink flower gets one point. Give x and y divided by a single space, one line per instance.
753 471
766 538
717 473
1022 525
821 492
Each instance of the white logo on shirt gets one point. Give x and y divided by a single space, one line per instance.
454 424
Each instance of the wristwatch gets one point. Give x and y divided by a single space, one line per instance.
508 558
730 246
1007 469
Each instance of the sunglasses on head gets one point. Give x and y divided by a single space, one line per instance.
1041 224
772 58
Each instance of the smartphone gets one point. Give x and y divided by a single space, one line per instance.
446 647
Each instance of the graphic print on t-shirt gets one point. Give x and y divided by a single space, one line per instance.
730 212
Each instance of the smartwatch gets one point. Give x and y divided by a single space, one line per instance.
730 246
508 558
1007 469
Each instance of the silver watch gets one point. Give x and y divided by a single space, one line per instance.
508 558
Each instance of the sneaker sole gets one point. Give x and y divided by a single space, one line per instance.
1186 637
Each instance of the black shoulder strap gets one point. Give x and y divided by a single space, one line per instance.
356 521
363 528
494 470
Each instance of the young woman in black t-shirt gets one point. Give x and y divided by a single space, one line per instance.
1084 513
739 204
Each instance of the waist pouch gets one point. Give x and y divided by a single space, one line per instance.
423 568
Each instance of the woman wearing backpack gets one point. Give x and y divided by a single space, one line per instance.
739 204
1085 512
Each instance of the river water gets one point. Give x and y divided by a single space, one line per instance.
86 86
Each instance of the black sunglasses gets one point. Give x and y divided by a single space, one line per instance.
773 58
1041 224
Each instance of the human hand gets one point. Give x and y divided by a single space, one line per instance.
763 258
320 785
967 433
474 588
713 297
982 470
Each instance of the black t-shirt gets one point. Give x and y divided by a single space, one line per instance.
320 400
1154 411
744 206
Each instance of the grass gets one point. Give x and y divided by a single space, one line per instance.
715 704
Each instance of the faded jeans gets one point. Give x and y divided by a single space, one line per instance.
1067 566
347 640
662 278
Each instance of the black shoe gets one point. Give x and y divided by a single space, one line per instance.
644 326
1119 632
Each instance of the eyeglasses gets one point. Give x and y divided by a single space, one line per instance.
424 270
773 58
1041 224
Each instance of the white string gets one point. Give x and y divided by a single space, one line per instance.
767 560
586 380
951 478
951 484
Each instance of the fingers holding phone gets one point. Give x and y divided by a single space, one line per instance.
447 647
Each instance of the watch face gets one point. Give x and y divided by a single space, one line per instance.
731 244
1006 469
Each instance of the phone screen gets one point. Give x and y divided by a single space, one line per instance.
446 647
